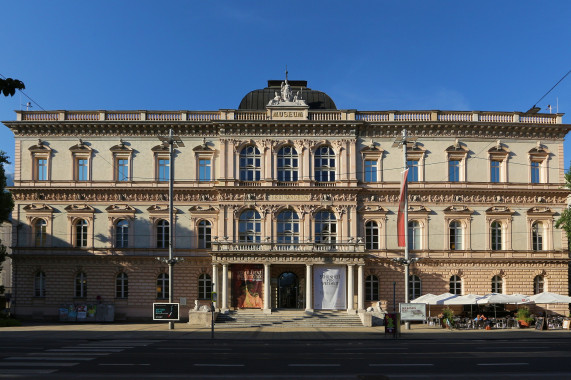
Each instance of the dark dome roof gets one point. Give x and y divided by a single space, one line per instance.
258 99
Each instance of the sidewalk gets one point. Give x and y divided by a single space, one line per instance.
185 331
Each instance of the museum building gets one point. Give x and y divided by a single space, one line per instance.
283 203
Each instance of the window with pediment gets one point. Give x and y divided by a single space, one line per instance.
122 157
81 158
372 163
498 163
456 155
41 161
538 164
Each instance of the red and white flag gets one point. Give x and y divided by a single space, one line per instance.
401 223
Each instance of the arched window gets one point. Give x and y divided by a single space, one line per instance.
455 235
371 235
538 284
537 236
122 285
288 227
456 285
250 164
163 232
496 236
414 235
40 284
325 227
250 227
81 233
204 287
324 164
122 234
80 285
40 234
204 234
414 287
497 284
163 286
288 164
371 288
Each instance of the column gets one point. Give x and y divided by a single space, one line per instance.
224 305
360 287
350 289
308 283
267 291
215 283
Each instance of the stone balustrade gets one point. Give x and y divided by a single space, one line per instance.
344 247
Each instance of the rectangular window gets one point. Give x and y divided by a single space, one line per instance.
42 169
454 170
204 170
82 169
535 172
370 171
122 169
164 169
412 170
495 171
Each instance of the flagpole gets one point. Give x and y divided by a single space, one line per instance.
406 256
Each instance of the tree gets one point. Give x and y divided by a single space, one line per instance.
9 86
6 206
564 221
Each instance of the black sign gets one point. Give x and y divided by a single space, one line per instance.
540 323
165 311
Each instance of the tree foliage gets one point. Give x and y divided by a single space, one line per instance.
9 86
564 221
6 205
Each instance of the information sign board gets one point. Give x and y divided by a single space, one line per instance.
413 311
165 312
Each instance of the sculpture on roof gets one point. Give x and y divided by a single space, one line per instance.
286 97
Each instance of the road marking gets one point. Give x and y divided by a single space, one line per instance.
56 354
219 365
123 364
511 348
402 365
44 358
32 364
9 372
371 348
83 349
499 364
194 349
314 365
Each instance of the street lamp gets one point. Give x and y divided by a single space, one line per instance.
173 142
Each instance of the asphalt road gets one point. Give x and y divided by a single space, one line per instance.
285 359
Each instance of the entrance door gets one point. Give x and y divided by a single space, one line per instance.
288 291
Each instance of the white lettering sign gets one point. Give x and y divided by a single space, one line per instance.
329 287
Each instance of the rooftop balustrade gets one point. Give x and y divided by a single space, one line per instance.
308 247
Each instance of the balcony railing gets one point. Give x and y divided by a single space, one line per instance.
340 247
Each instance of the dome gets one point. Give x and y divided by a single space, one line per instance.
259 99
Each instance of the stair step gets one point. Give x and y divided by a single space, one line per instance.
288 319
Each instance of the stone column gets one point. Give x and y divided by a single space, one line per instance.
360 288
224 306
215 283
350 289
267 289
308 283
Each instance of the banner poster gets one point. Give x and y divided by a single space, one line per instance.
247 286
329 292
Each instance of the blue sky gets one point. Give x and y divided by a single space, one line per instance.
367 55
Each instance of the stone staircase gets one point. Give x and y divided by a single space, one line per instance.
288 319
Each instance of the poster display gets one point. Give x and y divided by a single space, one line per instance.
412 311
248 286
329 289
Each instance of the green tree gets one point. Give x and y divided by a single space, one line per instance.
564 221
9 86
6 206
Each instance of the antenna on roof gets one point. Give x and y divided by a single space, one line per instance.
535 108
286 73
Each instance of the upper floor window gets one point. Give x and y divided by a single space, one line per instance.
288 227
41 154
163 232
454 170
495 167
250 227
81 230
163 166
535 172
122 285
163 286
412 170
497 284
371 288
80 285
41 169
122 234
325 227
496 236
122 169
204 234
414 287
81 160
372 235
538 284
250 164
40 284
324 168
371 169
288 164
457 155
539 164
122 157
204 169
414 236
455 235
81 168
456 285
40 233
537 236
204 287
498 157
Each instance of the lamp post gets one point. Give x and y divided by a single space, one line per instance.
173 141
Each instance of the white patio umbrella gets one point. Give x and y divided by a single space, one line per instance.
432 299
498 298
548 297
426 298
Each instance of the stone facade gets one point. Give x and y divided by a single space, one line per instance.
91 192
